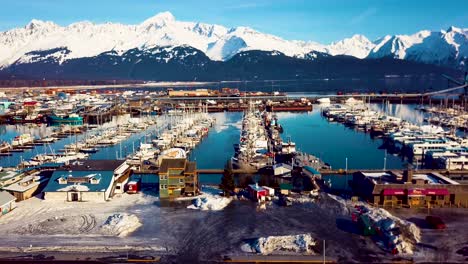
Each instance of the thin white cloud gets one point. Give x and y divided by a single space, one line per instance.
363 15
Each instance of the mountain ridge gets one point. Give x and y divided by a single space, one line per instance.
85 39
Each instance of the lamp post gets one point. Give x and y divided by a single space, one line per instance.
346 167
385 161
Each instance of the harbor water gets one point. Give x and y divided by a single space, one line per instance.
334 143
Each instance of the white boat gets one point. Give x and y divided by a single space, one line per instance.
22 140
420 148
324 101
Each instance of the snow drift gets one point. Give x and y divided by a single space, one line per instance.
404 240
120 225
303 243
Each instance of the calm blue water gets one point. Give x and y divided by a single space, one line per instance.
8 132
332 142
214 151
121 150
331 86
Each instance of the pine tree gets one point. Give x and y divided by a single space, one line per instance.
227 181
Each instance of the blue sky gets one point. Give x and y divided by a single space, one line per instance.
319 20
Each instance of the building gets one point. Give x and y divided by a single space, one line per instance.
285 188
393 188
8 177
178 177
87 181
189 93
257 193
311 172
7 203
27 187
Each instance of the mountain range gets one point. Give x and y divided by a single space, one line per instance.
45 49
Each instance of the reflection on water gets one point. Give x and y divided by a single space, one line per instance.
404 111
332 142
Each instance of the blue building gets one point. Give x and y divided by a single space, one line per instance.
88 181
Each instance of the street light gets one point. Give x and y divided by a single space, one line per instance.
346 168
385 161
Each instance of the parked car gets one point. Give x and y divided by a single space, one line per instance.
435 222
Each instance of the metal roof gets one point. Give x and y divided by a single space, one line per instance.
311 170
105 178
6 198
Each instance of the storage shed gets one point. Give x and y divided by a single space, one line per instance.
27 187
256 192
7 203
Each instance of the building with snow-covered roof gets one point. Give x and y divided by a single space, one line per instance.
8 177
87 181
257 193
79 186
7 203
409 189
27 187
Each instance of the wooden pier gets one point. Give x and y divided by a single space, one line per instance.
325 172
422 171
206 171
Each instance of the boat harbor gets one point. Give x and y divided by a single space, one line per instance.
426 145
258 160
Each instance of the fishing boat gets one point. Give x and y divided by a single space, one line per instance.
4 147
72 119
22 140
89 150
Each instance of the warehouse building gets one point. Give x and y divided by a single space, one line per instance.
27 187
7 203
86 181
409 189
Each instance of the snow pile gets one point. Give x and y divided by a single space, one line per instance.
303 243
304 200
120 225
210 202
404 239
396 232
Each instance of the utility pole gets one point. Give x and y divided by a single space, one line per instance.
324 252
346 168
385 161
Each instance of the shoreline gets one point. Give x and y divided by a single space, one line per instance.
108 86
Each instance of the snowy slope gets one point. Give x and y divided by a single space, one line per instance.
444 47
85 39
47 41
357 46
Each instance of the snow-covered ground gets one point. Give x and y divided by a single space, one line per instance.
410 233
44 217
210 200
303 243
120 225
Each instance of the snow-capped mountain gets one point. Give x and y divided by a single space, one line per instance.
443 48
357 46
46 41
